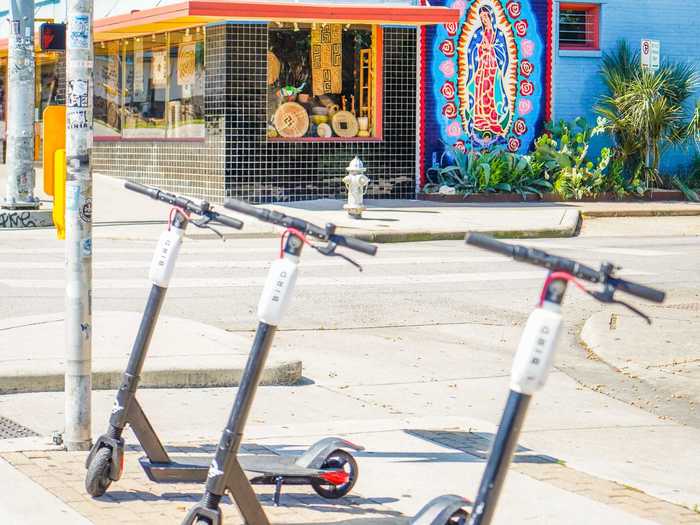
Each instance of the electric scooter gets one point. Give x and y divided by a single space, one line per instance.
531 365
226 472
534 356
105 463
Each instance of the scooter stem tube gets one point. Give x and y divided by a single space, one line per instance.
230 441
529 373
499 459
274 301
162 267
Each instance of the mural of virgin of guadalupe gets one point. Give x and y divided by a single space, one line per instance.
486 80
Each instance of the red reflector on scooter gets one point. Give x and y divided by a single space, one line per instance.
336 477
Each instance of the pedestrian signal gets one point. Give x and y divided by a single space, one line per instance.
52 37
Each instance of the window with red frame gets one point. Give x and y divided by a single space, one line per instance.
579 26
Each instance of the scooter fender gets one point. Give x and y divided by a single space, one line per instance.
317 453
117 447
165 257
535 351
279 288
439 510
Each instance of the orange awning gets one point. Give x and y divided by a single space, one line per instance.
199 12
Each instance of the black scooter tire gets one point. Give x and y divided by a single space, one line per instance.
97 479
337 459
459 518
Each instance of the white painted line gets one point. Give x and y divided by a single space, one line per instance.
379 261
361 280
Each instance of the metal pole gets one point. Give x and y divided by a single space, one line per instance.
79 91
20 129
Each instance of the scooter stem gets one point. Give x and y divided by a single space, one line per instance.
225 471
530 368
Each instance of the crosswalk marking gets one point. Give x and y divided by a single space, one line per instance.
360 280
254 264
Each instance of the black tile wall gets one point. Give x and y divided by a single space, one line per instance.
237 160
259 170
193 168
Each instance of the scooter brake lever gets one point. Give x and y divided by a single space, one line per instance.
204 224
604 297
329 251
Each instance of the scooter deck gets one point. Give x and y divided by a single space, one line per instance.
194 469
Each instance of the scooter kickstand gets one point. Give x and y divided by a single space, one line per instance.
278 490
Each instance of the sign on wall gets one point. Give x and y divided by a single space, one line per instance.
651 54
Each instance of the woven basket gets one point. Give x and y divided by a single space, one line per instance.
291 120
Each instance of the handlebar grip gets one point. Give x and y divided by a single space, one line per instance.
489 243
228 221
645 292
140 188
355 244
248 209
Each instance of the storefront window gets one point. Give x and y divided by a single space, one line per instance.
322 81
151 86
146 83
186 100
108 83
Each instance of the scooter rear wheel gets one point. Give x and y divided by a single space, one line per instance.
336 460
97 479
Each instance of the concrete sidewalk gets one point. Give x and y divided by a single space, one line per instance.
183 353
121 214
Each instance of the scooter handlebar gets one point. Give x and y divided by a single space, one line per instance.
555 263
491 244
202 209
645 292
306 227
355 244
140 188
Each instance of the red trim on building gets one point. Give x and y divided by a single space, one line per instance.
592 40
202 11
379 85
422 96
549 81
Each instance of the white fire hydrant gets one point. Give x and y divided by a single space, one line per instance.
356 182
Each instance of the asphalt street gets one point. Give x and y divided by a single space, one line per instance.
423 338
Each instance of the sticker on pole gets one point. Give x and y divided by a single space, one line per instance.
651 54
77 94
79 32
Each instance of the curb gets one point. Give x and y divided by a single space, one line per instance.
25 219
569 228
639 213
285 373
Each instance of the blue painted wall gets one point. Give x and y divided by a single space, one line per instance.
675 24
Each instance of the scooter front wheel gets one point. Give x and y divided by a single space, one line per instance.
338 459
459 518
97 479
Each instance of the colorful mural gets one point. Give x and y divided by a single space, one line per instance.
487 75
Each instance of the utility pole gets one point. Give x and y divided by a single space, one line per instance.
78 323
20 129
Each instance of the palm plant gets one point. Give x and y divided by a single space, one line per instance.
645 110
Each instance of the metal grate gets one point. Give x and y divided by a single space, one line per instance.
9 429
